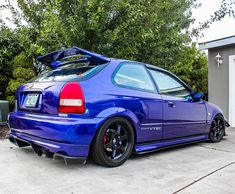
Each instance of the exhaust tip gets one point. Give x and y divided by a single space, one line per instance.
40 152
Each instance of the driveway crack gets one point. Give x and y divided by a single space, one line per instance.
216 149
203 177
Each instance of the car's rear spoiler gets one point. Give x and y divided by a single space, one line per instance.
53 59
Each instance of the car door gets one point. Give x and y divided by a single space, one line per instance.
141 98
182 116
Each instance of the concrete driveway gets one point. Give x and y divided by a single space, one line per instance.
198 168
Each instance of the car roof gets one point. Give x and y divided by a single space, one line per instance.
118 61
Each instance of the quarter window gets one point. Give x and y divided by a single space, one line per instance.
168 85
134 76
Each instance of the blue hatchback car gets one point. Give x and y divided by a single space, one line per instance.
87 104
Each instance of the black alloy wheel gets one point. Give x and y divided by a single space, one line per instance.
217 130
114 142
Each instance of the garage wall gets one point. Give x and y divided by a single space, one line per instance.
218 78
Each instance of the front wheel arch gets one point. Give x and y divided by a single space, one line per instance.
216 115
222 128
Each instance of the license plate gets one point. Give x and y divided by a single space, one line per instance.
31 100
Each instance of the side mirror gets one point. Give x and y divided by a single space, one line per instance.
197 96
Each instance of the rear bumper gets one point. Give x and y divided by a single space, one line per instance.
70 150
65 136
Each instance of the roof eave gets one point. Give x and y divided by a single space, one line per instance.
217 43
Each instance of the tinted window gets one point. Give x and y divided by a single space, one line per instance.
168 85
71 72
134 76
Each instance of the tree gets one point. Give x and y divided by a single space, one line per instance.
152 31
123 29
191 67
15 66
9 48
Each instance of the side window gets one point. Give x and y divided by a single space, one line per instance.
134 76
168 85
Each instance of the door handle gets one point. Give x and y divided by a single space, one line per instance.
171 104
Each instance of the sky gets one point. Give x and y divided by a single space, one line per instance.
221 29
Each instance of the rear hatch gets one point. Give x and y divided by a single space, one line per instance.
42 94
39 97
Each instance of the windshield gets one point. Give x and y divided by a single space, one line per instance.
71 72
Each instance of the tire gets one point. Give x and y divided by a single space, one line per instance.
217 130
115 134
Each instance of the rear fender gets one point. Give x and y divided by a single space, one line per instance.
121 112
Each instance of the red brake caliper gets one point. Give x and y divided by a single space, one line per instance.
105 138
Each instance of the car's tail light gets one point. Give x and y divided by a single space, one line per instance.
72 99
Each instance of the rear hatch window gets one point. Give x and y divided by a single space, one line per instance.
70 72
41 94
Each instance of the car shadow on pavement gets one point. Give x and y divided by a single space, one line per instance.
60 163
162 151
74 164
177 148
